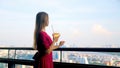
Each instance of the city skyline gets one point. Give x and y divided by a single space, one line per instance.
85 23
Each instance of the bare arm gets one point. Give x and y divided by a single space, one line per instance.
53 46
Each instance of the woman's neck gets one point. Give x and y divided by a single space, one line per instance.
43 29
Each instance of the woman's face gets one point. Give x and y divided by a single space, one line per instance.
46 20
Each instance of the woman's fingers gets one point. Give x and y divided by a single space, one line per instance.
61 43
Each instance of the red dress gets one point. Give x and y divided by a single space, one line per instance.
42 59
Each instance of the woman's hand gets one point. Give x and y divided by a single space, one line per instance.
55 36
61 43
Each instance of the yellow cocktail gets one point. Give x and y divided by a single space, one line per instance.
56 34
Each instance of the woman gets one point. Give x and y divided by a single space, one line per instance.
43 42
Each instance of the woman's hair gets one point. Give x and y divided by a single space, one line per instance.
40 23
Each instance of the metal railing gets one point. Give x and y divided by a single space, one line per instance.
13 61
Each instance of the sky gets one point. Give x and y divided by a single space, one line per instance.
81 23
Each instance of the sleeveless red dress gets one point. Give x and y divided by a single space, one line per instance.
42 59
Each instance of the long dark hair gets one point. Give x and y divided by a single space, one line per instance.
40 23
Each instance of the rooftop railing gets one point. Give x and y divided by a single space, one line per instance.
13 55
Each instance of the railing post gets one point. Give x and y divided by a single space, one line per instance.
11 65
8 52
60 55
15 54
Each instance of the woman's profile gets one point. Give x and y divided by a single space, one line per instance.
43 43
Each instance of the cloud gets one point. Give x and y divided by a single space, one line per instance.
70 18
76 33
81 10
100 30
13 14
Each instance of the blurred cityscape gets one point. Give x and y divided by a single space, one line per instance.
95 58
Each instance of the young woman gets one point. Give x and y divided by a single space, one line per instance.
43 43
